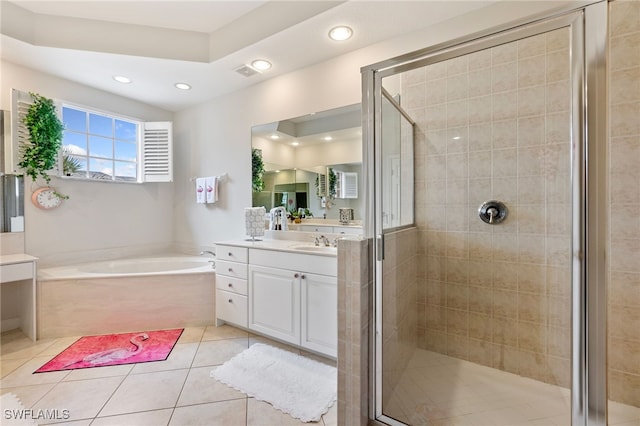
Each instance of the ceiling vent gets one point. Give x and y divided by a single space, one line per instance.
246 70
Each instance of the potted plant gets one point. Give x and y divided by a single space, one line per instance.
45 138
333 178
257 170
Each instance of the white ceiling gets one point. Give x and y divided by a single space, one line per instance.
159 43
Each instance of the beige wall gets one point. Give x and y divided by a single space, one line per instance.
355 282
624 179
500 296
494 125
100 219
215 137
399 313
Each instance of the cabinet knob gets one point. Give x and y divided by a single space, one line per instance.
303 276
230 254
230 285
296 275
230 269
230 300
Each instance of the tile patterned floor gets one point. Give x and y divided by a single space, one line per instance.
177 391
439 390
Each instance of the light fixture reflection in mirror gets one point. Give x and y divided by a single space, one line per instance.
326 140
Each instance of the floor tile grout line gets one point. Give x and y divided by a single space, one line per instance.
111 396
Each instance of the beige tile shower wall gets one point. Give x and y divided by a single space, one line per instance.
354 313
399 314
624 178
495 125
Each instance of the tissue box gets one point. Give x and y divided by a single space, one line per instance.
254 221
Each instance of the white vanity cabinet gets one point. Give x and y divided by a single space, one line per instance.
231 285
348 230
274 302
15 268
299 306
317 228
319 313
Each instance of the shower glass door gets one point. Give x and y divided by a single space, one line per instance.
474 319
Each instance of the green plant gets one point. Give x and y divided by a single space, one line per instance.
333 178
70 164
257 170
45 138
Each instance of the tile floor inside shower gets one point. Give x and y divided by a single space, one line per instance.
438 390
178 391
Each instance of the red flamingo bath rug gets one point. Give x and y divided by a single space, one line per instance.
115 349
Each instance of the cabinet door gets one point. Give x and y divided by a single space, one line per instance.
274 302
320 313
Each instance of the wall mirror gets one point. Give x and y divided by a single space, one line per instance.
312 162
11 185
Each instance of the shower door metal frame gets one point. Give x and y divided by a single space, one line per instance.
588 29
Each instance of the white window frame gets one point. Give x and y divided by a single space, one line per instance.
154 160
139 143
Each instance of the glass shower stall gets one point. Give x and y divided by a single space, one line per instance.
488 160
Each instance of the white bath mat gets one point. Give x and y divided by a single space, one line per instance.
13 412
298 386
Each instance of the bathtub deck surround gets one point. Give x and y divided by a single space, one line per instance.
285 289
125 296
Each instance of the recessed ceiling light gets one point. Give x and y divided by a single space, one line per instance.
261 64
456 138
328 138
340 33
277 171
183 86
295 143
274 137
122 79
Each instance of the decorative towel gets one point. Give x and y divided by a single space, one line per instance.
201 197
272 219
211 189
278 219
254 221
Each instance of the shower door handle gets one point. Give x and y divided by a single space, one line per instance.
380 247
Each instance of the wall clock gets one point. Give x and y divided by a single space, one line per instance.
46 198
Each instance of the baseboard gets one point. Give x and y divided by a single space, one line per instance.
9 324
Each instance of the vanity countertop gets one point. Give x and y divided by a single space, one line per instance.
292 246
10 259
329 222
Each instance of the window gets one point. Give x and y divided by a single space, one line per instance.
103 146
99 146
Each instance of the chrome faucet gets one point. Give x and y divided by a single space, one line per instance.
325 241
211 261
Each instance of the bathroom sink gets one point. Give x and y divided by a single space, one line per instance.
315 249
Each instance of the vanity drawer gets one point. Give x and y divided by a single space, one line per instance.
16 272
316 228
231 269
235 285
231 307
232 253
